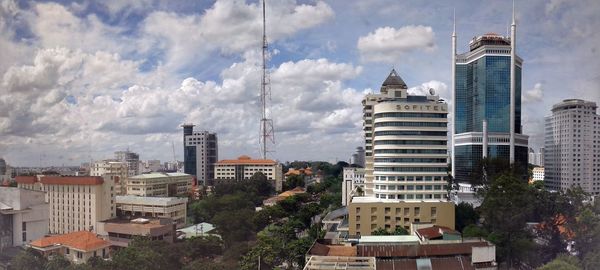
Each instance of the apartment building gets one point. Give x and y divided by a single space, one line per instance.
76 203
23 216
572 146
367 214
245 167
116 170
160 185
155 207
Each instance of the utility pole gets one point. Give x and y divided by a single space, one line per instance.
267 135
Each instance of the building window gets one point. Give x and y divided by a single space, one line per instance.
79 255
68 251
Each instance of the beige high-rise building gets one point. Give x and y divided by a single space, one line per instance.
76 203
160 185
115 170
245 167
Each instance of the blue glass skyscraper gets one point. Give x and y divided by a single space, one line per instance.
482 100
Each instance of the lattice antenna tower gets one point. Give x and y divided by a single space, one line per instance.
267 134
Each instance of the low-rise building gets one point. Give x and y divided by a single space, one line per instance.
200 229
76 247
538 174
155 207
245 167
23 216
76 203
367 214
120 232
160 185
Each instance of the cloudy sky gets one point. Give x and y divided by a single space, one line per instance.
80 80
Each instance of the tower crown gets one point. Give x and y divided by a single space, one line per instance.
394 80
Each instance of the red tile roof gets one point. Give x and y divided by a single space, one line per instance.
435 232
72 180
61 180
332 250
26 179
449 263
82 240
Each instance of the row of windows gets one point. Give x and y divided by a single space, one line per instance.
411 169
403 160
410 151
410 187
410 124
410 114
410 196
411 142
410 133
410 178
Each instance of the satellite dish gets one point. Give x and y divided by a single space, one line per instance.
431 91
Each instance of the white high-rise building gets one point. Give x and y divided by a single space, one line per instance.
572 146
406 143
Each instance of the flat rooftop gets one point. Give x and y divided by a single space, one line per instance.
137 200
365 199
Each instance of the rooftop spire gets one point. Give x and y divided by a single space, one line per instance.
454 22
394 80
513 13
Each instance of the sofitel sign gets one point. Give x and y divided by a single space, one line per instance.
413 107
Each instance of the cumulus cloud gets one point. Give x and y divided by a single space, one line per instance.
228 26
440 88
388 44
533 95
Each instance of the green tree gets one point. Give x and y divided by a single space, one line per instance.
562 262
506 209
380 231
294 181
29 259
145 254
57 262
400 231
473 230
464 215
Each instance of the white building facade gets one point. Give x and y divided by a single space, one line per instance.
23 216
353 179
201 152
245 167
572 146
76 203
157 207
160 185
406 143
538 174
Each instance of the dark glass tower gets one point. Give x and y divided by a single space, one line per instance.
189 151
483 94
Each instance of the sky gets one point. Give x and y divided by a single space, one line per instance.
80 80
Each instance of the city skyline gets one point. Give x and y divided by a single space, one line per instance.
81 81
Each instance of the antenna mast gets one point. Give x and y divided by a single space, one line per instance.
266 124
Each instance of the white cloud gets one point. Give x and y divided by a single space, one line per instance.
440 88
387 44
533 95
228 26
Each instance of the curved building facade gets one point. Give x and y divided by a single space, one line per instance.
406 144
